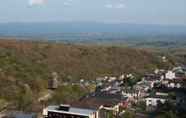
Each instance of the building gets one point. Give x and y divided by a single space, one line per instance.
66 111
131 94
175 83
170 75
153 101
53 81
105 103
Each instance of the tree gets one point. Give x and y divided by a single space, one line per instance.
110 114
142 105
66 94
25 98
168 114
128 114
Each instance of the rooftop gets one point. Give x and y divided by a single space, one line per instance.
94 102
72 110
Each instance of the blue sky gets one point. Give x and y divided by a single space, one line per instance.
111 11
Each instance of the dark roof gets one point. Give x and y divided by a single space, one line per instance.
167 90
158 96
94 102
72 110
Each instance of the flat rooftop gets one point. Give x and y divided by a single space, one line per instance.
72 110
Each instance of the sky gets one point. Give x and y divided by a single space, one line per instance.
171 12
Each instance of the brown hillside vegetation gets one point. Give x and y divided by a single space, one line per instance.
80 61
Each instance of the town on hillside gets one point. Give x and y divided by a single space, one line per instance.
159 92
114 96
93 59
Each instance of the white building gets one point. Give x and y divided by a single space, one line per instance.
170 75
164 58
111 79
68 111
174 85
131 94
153 101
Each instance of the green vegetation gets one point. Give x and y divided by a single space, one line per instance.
68 94
168 114
128 114
132 81
169 110
24 98
3 103
110 114
141 106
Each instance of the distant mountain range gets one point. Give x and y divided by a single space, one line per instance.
93 32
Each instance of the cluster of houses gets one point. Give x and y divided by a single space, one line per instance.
114 96
166 86
108 98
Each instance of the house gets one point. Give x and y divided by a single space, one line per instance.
170 75
104 102
121 77
152 101
180 70
53 81
66 111
164 58
175 83
143 86
111 79
131 94
160 95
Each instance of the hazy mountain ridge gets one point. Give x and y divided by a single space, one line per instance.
88 30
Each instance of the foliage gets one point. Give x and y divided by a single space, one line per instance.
110 114
2 103
25 99
172 95
169 110
132 81
67 94
168 114
141 105
128 114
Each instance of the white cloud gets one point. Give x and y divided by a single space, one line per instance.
36 2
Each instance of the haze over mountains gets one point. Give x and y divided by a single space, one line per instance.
94 32
34 29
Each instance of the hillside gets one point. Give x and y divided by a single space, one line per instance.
74 60
26 66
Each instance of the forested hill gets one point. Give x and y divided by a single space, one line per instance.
26 66
32 59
